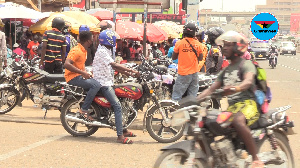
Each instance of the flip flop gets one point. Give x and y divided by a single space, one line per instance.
257 164
129 134
86 115
125 141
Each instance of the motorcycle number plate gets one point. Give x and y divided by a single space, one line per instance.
260 55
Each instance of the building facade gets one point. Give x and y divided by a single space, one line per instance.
282 10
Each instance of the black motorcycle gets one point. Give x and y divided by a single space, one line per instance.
210 141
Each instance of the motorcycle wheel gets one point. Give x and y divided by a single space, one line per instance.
22 91
156 127
169 157
75 128
283 144
8 99
272 64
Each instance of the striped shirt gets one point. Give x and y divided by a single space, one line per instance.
55 40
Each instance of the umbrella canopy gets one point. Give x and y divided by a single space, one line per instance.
11 10
171 28
135 31
84 19
46 24
103 14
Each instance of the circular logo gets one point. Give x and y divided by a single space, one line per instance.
264 26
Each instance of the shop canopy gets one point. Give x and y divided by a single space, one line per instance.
103 14
11 10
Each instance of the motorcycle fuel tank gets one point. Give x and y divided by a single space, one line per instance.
129 90
102 101
32 77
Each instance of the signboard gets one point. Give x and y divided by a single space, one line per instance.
167 17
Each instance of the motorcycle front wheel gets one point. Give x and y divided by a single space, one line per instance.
76 128
176 158
8 99
157 127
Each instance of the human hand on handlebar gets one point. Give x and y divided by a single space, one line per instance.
228 90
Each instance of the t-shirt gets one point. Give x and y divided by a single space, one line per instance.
126 51
187 60
102 70
230 77
170 53
33 47
78 55
55 41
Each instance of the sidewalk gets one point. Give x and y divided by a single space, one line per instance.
30 114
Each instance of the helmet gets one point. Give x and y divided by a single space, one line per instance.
213 33
84 28
235 37
190 29
58 23
174 41
107 37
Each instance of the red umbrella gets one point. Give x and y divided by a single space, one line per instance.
105 15
135 31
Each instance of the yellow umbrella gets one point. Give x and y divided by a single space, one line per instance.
169 29
46 24
84 19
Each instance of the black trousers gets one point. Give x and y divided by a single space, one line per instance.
54 67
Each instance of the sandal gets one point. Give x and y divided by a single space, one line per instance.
129 134
257 164
125 141
86 115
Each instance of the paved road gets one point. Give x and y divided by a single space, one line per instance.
48 145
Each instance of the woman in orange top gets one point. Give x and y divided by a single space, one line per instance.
132 52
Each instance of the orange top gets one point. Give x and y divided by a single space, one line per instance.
187 60
78 56
32 46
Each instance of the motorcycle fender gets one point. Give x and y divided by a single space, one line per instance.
290 131
186 147
171 102
2 86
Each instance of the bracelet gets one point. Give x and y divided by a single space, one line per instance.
237 89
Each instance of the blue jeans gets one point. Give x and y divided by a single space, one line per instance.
110 95
185 83
91 85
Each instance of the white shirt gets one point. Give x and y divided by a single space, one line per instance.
102 69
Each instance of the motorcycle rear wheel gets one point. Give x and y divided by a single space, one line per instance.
170 156
73 127
5 95
283 144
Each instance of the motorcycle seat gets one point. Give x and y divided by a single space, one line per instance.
264 120
52 78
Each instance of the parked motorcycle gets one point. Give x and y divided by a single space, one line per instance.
272 60
24 80
214 143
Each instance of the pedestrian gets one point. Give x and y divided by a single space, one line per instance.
3 48
132 52
162 49
126 51
54 48
188 51
171 51
75 73
33 47
70 40
103 67
239 90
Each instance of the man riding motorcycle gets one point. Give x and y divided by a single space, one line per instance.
274 50
238 89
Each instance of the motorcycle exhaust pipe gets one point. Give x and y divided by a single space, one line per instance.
92 123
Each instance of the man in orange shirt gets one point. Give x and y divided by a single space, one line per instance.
76 74
188 51
33 46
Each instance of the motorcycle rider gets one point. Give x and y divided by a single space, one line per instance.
103 67
275 51
214 58
188 51
200 36
75 73
242 100
171 51
54 48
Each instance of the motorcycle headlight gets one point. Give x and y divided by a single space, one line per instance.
8 72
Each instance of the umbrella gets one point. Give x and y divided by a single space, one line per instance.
103 14
135 31
171 28
46 24
11 10
84 19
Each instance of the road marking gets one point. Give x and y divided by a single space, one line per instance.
29 147
293 57
289 67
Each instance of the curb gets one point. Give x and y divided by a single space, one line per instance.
133 126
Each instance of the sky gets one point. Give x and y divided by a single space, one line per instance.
231 5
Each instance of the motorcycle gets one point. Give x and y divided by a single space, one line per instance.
214 143
24 80
272 60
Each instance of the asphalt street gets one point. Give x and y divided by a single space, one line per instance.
29 141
